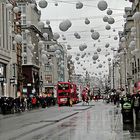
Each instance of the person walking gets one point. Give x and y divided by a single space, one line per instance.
136 103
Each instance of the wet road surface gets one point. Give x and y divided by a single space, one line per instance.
99 122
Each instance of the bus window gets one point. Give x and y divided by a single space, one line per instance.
63 86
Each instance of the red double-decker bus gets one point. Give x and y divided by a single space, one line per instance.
75 94
66 91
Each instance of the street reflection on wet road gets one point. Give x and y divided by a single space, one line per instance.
101 122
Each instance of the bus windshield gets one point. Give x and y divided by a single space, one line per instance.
63 86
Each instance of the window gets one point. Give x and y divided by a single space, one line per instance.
23 35
24 48
48 67
63 87
25 60
23 20
22 8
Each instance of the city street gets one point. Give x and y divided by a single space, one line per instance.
95 121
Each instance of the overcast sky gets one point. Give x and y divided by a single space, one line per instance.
66 9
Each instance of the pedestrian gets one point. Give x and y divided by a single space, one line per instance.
136 103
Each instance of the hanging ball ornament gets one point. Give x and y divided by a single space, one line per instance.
56 36
43 3
102 5
107 27
16 9
109 59
111 20
47 22
95 57
109 12
105 19
95 35
107 45
98 49
79 5
115 38
65 25
87 21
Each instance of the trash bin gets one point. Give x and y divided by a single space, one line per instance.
127 113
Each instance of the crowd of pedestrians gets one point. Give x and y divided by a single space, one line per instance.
23 103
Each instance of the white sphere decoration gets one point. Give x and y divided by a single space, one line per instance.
45 35
102 5
78 62
79 5
9 6
85 46
133 34
56 36
43 3
14 42
81 47
107 27
107 45
123 39
132 44
16 9
115 38
95 57
77 58
95 35
40 24
87 21
109 12
98 49
105 19
136 16
69 47
65 25
100 65
111 20
109 59
47 22
133 29
40 43
18 38
17 23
